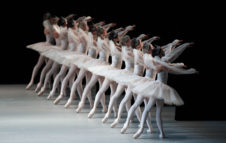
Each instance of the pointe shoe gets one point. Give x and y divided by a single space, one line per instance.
50 96
138 133
58 99
104 120
91 113
80 106
115 123
29 85
38 87
68 103
150 130
125 126
41 92
123 130
161 135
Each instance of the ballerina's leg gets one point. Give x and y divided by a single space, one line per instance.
48 76
70 73
151 103
88 87
99 95
132 110
127 98
113 86
148 121
43 74
41 60
74 87
138 110
102 100
89 94
159 105
113 99
62 73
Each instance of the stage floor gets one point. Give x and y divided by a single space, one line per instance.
27 118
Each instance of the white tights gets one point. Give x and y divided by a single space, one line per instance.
100 94
53 69
148 107
87 89
82 73
41 60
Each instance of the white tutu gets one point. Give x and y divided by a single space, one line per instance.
40 46
138 84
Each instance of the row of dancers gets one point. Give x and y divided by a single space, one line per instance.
75 50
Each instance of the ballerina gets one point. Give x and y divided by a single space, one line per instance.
138 70
82 49
64 45
104 51
48 31
127 56
92 53
116 62
162 68
73 40
102 45
56 32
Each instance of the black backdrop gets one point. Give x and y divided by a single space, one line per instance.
190 21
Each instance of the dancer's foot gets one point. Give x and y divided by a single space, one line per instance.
80 106
138 133
125 126
58 99
104 120
161 135
115 123
150 131
40 93
68 103
38 87
50 95
29 85
91 113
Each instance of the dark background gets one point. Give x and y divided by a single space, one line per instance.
190 21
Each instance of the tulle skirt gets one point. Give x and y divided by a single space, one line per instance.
139 85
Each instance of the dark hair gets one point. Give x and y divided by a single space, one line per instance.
157 52
100 31
47 16
70 23
124 40
54 19
62 21
113 35
146 48
134 43
92 28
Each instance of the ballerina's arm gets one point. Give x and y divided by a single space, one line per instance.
149 41
127 29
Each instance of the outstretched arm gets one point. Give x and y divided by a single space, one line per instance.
127 29
108 26
142 36
70 16
99 24
119 29
149 41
